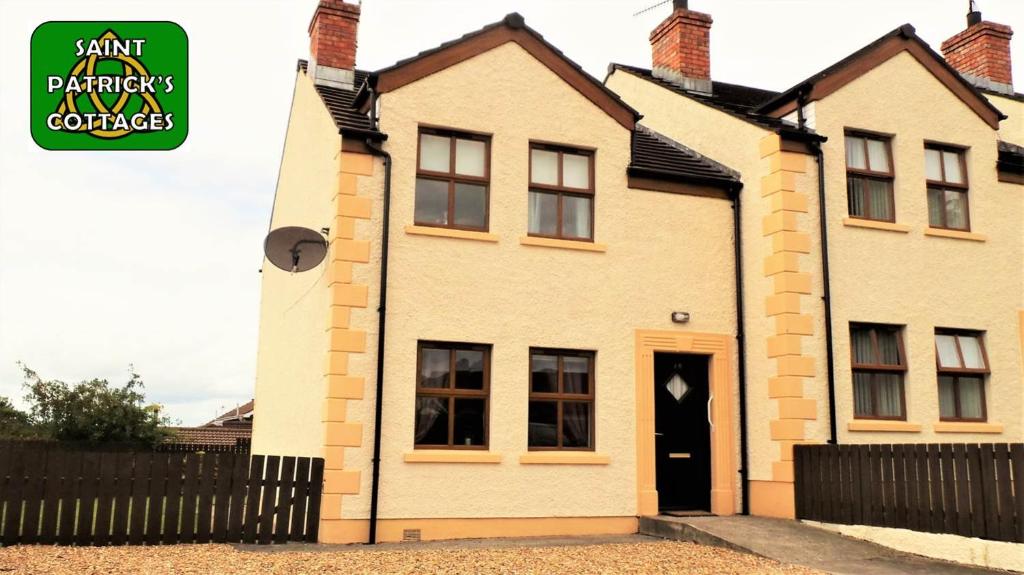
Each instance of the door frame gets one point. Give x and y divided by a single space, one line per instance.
718 348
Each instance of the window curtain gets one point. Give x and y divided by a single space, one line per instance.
576 419
428 409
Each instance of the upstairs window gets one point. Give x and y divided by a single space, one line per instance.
879 364
869 177
452 180
453 383
962 366
946 172
561 193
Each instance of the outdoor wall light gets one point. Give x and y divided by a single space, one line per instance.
680 316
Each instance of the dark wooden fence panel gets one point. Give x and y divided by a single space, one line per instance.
49 495
975 490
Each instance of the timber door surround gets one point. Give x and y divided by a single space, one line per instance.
718 349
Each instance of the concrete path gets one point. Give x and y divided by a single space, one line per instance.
795 543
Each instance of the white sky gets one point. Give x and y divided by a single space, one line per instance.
150 258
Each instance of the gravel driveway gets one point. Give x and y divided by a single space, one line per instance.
641 557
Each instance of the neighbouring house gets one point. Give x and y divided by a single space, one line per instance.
227 429
552 305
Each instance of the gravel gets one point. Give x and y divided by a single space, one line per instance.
654 557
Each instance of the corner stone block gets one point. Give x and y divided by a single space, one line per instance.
340 273
798 242
786 449
782 303
330 506
789 202
358 164
792 282
334 457
347 184
798 408
344 228
354 207
778 182
339 434
786 429
345 387
339 317
336 363
787 161
796 366
799 324
349 295
350 251
341 482
350 340
779 222
770 144
333 409
785 387
780 345
782 471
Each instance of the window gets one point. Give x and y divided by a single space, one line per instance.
452 179
561 193
453 383
869 177
879 364
561 400
962 367
946 172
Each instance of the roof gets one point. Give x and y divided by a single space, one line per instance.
242 415
867 58
1019 97
1011 158
208 435
339 103
659 157
733 99
511 28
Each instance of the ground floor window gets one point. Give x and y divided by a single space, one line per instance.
452 395
878 363
561 410
962 365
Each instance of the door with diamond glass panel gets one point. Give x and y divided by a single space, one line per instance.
682 432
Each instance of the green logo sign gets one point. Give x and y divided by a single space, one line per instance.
109 85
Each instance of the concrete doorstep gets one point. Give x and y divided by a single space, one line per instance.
792 542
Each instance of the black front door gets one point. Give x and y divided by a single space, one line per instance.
682 432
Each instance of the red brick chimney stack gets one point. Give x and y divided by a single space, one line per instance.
681 48
332 43
981 54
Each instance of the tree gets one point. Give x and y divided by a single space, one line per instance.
93 411
14 423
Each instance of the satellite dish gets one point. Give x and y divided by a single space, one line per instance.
295 249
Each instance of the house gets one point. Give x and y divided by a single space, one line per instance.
228 429
552 305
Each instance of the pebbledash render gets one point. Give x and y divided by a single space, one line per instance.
606 300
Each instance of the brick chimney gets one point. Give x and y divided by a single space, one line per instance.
981 54
332 43
681 48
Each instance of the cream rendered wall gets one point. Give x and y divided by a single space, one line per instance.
735 143
1012 128
292 341
515 296
919 281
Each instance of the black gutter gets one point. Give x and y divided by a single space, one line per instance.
741 346
378 405
826 295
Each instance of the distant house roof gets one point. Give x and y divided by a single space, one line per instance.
241 415
901 39
209 435
733 99
659 157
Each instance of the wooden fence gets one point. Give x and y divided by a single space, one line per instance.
975 490
118 498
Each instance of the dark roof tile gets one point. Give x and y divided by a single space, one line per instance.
657 156
339 103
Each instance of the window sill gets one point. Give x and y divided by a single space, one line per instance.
967 427
955 234
451 456
449 233
564 244
876 225
883 425
564 458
